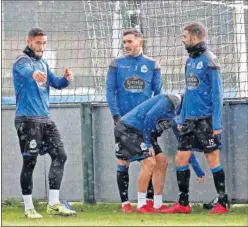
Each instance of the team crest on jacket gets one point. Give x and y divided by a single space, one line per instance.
144 69
192 81
199 65
134 84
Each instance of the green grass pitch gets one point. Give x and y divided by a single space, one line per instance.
109 214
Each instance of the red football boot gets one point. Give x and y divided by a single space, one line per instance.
149 203
162 209
177 208
218 209
145 209
127 208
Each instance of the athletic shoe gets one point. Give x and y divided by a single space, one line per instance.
177 208
127 208
59 209
32 213
145 209
209 206
149 203
218 209
162 209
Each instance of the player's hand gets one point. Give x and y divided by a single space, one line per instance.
68 75
40 77
201 179
179 127
151 151
217 132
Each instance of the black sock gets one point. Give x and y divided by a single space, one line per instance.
123 183
150 191
219 181
183 177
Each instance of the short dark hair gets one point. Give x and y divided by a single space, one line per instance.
197 29
133 31
36 32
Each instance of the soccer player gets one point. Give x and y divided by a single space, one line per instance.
134 141
37 133
200 117
131 80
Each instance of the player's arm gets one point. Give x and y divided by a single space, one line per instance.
56 82
151 118
181 116
196 166
23 67
157 83
217 94
111 86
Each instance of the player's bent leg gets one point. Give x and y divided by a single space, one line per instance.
147 168
150 189
159 173
127 149
158 177
213 159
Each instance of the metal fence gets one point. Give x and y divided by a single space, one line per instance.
86 35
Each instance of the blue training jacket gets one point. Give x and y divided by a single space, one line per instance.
151 115
32 99
204 95
131 81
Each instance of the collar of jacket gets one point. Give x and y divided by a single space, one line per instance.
197 50
136 57
28 51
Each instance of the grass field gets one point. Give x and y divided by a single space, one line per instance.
108 214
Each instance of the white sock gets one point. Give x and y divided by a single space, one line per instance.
28 202
158 202
124 203
141 199
53 197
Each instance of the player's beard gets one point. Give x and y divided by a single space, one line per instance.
31 53
189 45
37 53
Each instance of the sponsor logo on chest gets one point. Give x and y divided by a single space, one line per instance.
134 84
192 81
